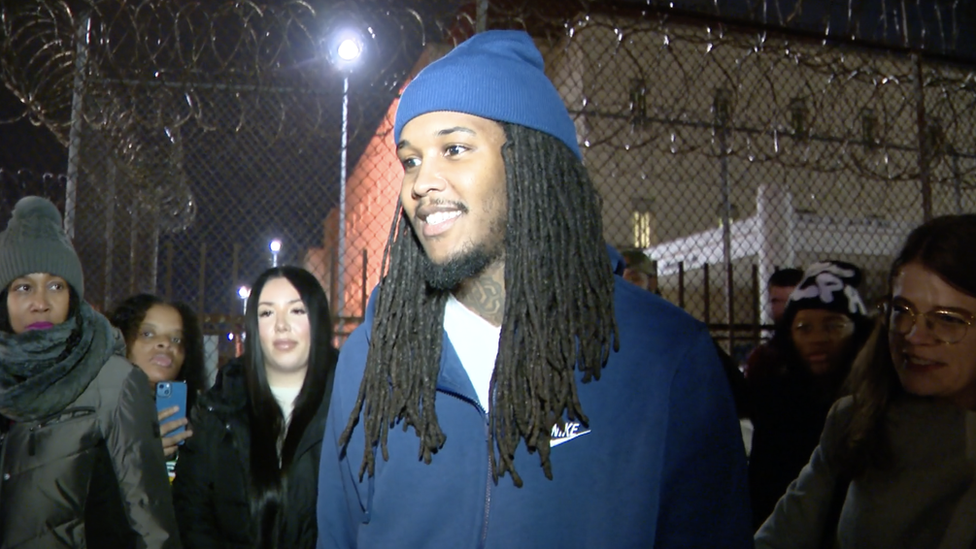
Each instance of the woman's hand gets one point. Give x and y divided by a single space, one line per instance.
171 444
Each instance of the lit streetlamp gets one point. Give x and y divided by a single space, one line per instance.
275 247
345 50
244 292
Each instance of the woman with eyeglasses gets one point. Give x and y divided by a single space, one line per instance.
895 464
822 328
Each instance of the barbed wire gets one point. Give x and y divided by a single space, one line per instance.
167 56
170 54
182 112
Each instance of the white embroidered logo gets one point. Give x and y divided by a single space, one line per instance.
826 281
570 430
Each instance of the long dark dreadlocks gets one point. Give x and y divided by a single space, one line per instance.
558 315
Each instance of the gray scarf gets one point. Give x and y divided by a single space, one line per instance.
43 371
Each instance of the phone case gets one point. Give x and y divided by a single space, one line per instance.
169 394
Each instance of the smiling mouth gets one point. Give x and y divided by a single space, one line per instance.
437 223
437 218
918 364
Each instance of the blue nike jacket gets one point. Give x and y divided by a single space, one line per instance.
660 464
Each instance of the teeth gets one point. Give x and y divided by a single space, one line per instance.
440 217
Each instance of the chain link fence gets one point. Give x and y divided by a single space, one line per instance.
722 149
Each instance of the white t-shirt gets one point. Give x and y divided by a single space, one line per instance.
476 342
286 399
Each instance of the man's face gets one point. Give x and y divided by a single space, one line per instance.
637 278
778 296
454 191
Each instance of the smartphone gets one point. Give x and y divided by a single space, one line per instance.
169 394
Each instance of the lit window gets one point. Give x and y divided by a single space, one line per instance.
643 223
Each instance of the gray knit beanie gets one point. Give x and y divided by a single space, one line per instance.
35 242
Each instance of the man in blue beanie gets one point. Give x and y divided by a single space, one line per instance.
500 344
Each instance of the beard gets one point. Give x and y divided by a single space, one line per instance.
467 264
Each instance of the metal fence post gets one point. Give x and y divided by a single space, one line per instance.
82 37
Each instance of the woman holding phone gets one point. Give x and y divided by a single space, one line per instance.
165 341
70 406
248 476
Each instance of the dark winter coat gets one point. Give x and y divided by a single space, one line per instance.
788 414
106 436
213 471
78 422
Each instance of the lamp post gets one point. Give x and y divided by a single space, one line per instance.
244 292
275 247
348 50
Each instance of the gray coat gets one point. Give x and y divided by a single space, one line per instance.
47 464
912 504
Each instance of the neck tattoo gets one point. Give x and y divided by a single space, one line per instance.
485 293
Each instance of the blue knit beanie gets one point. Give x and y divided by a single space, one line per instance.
496 75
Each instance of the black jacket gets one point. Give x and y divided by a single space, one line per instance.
210 491
788 415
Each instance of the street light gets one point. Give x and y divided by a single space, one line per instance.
275 246
344 51
349 49
244 292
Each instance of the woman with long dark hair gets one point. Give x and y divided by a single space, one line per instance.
895 464
76 419
248 476
822 329
165 341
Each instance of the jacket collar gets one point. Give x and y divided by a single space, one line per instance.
316 428
229 394
453 378
230 398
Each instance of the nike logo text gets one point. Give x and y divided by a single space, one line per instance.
570 430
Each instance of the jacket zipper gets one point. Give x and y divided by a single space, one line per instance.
488 480
484 528
3 455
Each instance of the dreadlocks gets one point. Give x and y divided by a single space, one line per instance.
558 315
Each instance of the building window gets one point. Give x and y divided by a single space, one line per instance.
643 222
799 118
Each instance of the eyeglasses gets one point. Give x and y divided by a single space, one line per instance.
944 325
834 328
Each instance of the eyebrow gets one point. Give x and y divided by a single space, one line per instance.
147 323
455 129
446 131
934 308
270 303
155 327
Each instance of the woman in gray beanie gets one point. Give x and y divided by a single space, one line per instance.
76 419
